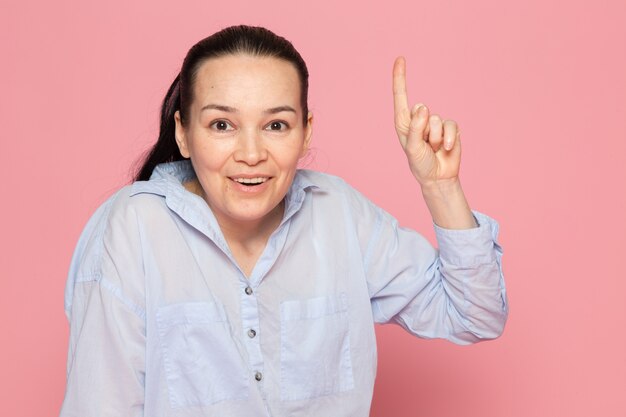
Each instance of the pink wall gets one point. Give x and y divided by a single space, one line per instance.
538 90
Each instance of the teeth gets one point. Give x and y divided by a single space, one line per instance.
257 180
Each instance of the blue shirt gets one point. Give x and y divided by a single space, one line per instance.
164 323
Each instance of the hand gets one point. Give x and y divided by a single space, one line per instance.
431 145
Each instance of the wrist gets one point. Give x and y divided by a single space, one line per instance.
442 188
447 204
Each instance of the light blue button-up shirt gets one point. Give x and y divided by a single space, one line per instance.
164 323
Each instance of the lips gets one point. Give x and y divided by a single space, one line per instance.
254 180
251 181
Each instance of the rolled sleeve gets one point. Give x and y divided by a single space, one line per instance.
470 247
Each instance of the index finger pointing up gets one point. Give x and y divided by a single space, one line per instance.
400 99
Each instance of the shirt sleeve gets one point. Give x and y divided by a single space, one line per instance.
106 355
456 293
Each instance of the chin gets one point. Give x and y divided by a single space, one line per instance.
252 214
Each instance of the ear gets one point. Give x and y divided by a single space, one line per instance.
181 138
308 133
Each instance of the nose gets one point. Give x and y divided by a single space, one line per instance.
250 148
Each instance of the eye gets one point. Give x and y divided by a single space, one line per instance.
221 125
277 126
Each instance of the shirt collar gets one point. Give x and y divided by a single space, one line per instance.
167 181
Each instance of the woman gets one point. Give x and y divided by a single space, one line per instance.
225 282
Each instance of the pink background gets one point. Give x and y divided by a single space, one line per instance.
539 91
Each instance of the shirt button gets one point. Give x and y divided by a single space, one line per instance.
248 290
258 376
251 333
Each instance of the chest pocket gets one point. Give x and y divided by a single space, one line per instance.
202 363
315 348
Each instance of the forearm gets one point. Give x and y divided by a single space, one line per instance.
447 205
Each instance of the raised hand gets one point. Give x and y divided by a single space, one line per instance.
432 145
433 149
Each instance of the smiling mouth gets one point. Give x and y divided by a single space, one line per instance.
251 182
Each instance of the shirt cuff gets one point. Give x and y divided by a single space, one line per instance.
469 247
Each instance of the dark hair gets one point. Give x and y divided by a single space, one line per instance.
256 41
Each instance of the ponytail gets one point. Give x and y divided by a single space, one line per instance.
165 149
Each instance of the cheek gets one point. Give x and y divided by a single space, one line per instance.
209 157
289 153
288 161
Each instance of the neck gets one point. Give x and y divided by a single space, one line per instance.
252 232
247 240
244 234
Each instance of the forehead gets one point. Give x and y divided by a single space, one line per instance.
246 81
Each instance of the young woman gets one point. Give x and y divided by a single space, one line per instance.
226 282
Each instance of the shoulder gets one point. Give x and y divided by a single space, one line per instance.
110 242
327 183
120 209
336 190
112 224
320 179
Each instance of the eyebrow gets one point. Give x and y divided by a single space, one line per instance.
226 109
229 109
279 109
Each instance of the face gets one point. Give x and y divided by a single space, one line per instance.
244 136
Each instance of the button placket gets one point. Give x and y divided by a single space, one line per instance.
250 326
